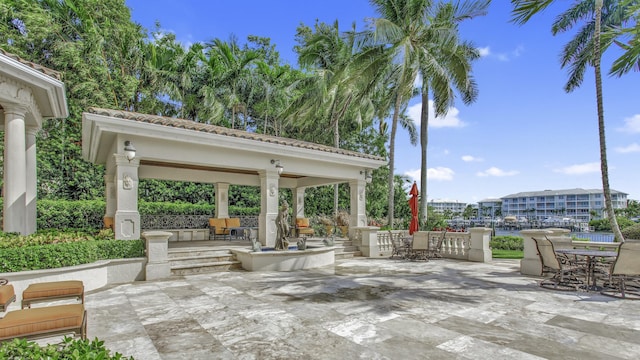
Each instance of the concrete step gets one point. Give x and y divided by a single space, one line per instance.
202 268
199 259
348 255
196 252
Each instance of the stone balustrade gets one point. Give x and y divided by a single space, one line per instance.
472 245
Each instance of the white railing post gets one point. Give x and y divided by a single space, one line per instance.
369 241
530 264
479 248
158 266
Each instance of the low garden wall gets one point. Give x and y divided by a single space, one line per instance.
94 276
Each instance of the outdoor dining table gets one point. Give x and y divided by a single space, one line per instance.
591 256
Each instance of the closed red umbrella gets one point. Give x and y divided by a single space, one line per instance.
413 204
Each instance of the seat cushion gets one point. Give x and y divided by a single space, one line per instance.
39 320
302 222
6 293
233 222
53 289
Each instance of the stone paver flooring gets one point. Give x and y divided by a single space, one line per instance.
363 309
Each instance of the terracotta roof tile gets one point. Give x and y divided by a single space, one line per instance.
52 73
219 130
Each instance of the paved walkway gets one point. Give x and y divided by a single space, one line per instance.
363 309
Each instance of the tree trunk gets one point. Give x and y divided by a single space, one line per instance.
424 140
392 146
604 167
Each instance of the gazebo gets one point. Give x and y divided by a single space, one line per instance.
135 146
29 93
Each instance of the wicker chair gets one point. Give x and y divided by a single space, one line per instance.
564 275
624 276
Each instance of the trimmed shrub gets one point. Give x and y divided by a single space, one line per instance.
631 232
507 242
69 349
52 249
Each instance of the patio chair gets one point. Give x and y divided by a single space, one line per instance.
624 276
218 228
565 275
399 247
564 242
419 248
303 229
435 250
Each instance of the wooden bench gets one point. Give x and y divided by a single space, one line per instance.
44 321
53 290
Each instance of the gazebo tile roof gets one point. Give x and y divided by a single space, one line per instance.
45 70
220 130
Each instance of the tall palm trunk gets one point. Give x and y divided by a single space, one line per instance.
604 167
424 140
392 148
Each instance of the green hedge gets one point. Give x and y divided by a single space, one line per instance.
69 349
507 242
53 249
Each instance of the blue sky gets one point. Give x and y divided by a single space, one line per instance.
524 133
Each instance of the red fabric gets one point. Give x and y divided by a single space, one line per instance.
413 204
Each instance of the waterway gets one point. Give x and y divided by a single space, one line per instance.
592 236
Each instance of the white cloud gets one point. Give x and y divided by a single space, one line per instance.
629 149
503 56
631 124
450 120
494 171
579 169
438 173
470 158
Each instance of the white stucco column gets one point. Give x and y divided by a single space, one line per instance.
110 195
530 263
298 203
15 170
127 217
222 200
358 216
269 180
32 181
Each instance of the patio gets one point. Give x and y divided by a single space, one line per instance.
363 308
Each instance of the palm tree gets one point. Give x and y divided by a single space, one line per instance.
416 29
446 65
631 58
342 82
231 65
585 49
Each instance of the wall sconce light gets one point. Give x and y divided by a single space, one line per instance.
129 150
367 175
279 167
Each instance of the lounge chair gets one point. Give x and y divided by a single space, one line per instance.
52 290
43 321
7 294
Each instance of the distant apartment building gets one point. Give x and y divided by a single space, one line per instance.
578 204
440 206
490 207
